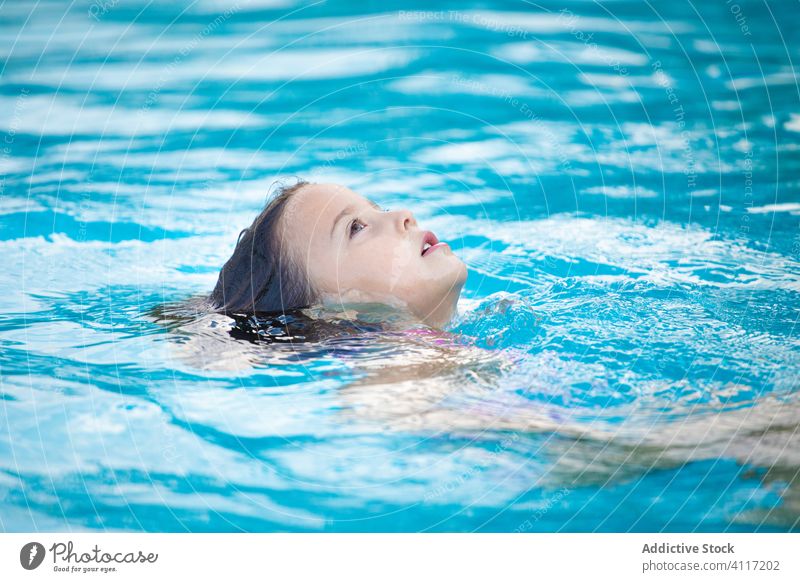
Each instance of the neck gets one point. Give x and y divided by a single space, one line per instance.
443 313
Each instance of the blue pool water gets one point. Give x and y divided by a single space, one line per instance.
622 179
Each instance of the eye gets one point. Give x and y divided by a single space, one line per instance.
356 226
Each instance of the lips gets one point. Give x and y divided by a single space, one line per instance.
430 243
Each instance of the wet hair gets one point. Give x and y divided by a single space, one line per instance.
260 276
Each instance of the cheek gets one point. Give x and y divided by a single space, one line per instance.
378 265
321 264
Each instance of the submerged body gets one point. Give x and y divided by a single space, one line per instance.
405 380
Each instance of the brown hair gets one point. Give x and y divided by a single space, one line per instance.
260 276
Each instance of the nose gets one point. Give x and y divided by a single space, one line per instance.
404 220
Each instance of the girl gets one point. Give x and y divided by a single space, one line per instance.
323 244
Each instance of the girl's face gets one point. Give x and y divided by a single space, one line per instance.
354 252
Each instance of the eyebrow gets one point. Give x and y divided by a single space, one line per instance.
345 211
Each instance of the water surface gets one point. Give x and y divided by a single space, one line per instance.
622 180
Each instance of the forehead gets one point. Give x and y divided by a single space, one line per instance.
315 202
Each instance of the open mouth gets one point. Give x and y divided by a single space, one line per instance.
430 243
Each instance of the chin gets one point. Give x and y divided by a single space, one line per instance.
454 281
462 272
457 274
